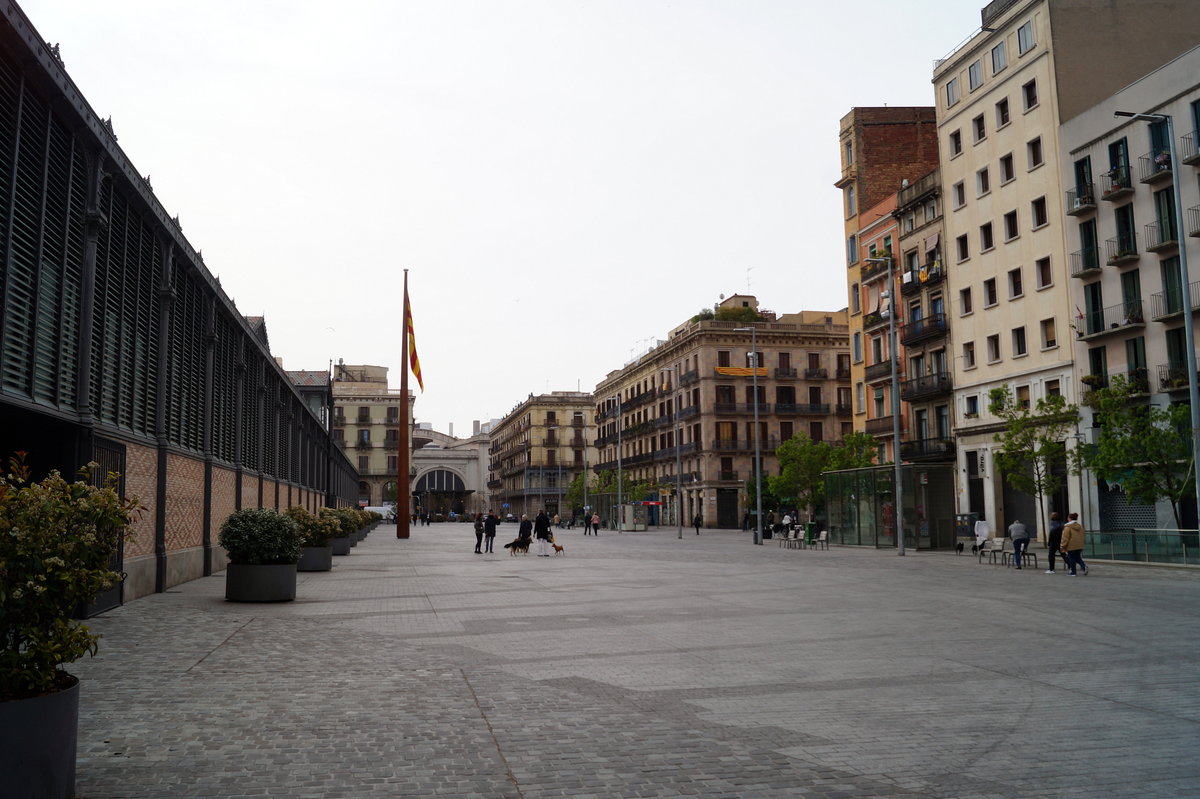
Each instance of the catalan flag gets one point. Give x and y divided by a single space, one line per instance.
413 361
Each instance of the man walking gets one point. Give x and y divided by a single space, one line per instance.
541 531
587 522
1072 544
489 531
696 522
1019 534
478 533
1054 540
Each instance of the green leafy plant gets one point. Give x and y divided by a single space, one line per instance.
347 521
57 540
803 462
260 536
316 530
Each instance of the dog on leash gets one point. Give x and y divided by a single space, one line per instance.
519 545
558 549
958 549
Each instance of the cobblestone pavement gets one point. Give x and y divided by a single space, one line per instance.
639 665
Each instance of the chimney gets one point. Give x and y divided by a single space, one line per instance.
452 429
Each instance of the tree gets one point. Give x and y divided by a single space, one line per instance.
803 462
1032 442
1146 448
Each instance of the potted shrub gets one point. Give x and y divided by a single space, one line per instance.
263 547
316 551
57 540
341 540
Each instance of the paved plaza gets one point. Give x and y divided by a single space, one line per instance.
640 665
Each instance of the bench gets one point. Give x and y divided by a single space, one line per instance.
993 548
1029 557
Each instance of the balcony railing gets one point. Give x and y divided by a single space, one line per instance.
1113 318
810 408
917 330
1085 262
913 280
727 477
1161 237
1166 304
927 449
687 378
843 409
766 444
934 385
870 268
843 373
881 426
1117 183
1172 377
1122 249
878 371
785 374
727 408
1081 199
1153 167
1193 220
816 373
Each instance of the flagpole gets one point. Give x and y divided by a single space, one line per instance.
403 494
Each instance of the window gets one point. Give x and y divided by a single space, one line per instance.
964 251
983 182
955 143
364 463
960 194
852 250
1038 209
1049 336
968 354
1053 388
986 241
1010 226
930 210
815 431
972 406
1045 278
1029 94
879 404
851 202
849 150
975 75
952 93
855 299
1018 342
1015 289
859 398
989 292
364 436
1164 212
857 347
1126 241
999 58
1034 150
1007 171
723 358
979 128
964 301
910 221
1022 396
1025 38
393 463
993 348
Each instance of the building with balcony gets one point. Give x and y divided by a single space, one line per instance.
366 425
880 149
1132 304
537 449
450 475
691 399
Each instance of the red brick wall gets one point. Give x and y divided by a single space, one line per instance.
894 144
185 502
224 498
141 481
250 491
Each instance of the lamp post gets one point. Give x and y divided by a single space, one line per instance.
1189 336
757 438
897 488
678 458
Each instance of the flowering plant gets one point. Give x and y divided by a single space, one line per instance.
57 540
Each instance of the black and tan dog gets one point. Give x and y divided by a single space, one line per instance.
519 545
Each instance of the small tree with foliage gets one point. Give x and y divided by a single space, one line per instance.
1032 442
1146 448
803 462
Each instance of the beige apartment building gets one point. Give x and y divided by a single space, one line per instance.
537 449
1000 99
366 425
873 393
705 370
1125 247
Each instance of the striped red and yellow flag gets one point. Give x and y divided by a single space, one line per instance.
413 361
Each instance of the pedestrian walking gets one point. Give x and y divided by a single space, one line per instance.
541 531
1019 534
1072 544
1054 540
587 523
478 533
557 522
489 531
746 522
696 522
595 524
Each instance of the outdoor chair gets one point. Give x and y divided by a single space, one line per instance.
992 549
1029 558
788 540
821 541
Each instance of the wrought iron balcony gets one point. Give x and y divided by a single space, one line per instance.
1081 199
1122 249
687 378
1139 380
1112 319
728 408
766 444
809 408
728 477
875 320
927 449
1173 377
1117 183
881 426
843 373
933 326
1166 304
871 268
1161 237
1193 221
926 386
843 409
1154 166
785 374
816 373
880 371
1085 262
1189 153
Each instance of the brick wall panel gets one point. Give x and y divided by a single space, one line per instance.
141 481
224 498
185 502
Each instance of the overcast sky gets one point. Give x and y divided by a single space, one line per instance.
565 180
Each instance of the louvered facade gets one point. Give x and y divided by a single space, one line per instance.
114 336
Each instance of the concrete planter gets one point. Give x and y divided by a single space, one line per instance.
37 744
315 559
260 583
341 545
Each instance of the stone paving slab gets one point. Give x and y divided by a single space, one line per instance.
640 665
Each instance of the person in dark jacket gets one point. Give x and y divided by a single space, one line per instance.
696 522
478 533
489 531
1054 539
541 530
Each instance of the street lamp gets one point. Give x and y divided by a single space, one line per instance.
757 442
678 459
1189 336
897 489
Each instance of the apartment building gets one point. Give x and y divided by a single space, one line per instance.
876 293
1001 97
538 449
880 149
1125 245
708 372
366 425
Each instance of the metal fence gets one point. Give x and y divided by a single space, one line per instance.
1178 547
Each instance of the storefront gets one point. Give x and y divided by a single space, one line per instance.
862 511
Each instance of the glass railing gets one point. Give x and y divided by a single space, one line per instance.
1144 546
